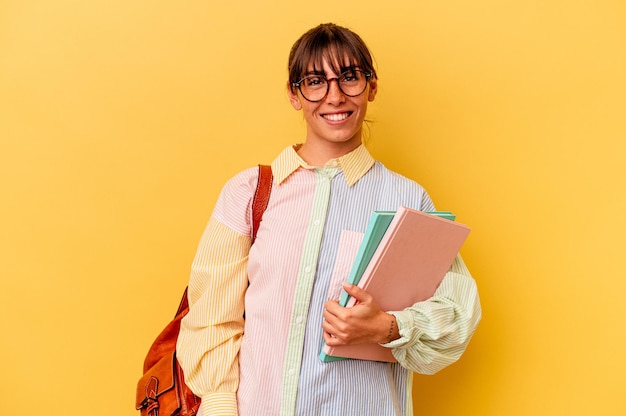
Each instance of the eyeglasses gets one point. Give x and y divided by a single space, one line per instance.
315 87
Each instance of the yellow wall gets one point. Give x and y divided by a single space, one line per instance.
118 125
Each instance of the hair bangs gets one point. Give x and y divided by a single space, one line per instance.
338 56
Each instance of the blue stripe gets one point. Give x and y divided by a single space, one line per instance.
353 387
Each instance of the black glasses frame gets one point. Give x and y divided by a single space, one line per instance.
298 84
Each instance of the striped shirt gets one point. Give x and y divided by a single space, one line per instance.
267 363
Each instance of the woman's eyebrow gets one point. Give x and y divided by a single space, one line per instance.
349 68
322 73
315 72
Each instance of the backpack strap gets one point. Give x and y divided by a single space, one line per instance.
261 197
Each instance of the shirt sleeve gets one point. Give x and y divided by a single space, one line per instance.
210 334
435 333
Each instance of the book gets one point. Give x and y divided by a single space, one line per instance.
376 227
408 264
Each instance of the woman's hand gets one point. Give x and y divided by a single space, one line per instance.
364 323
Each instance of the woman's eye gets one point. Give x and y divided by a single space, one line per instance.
350 76
314 81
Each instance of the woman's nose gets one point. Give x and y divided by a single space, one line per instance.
335 95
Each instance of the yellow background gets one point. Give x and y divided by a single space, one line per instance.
121 120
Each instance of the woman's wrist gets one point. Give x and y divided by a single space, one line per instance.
392 333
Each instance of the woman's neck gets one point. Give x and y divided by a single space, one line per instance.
317 155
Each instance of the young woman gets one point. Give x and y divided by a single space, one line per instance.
324 190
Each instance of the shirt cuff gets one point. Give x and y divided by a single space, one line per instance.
219 404
403 319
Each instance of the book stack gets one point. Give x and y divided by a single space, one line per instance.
402 259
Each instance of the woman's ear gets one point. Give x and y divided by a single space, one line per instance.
293 97
373 89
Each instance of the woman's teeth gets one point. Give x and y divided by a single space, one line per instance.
336 117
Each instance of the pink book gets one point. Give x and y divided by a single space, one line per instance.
407 267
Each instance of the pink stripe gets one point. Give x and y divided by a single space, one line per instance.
274 278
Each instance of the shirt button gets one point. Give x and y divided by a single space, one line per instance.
299 319
307 269
316 222
292 371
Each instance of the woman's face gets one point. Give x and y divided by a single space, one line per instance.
337 119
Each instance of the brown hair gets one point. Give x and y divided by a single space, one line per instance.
339 46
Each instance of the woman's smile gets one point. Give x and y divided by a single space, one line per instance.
336 117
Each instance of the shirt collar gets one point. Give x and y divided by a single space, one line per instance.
354 164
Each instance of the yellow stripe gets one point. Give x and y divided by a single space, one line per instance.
216 318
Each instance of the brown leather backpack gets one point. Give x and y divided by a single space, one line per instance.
162 391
